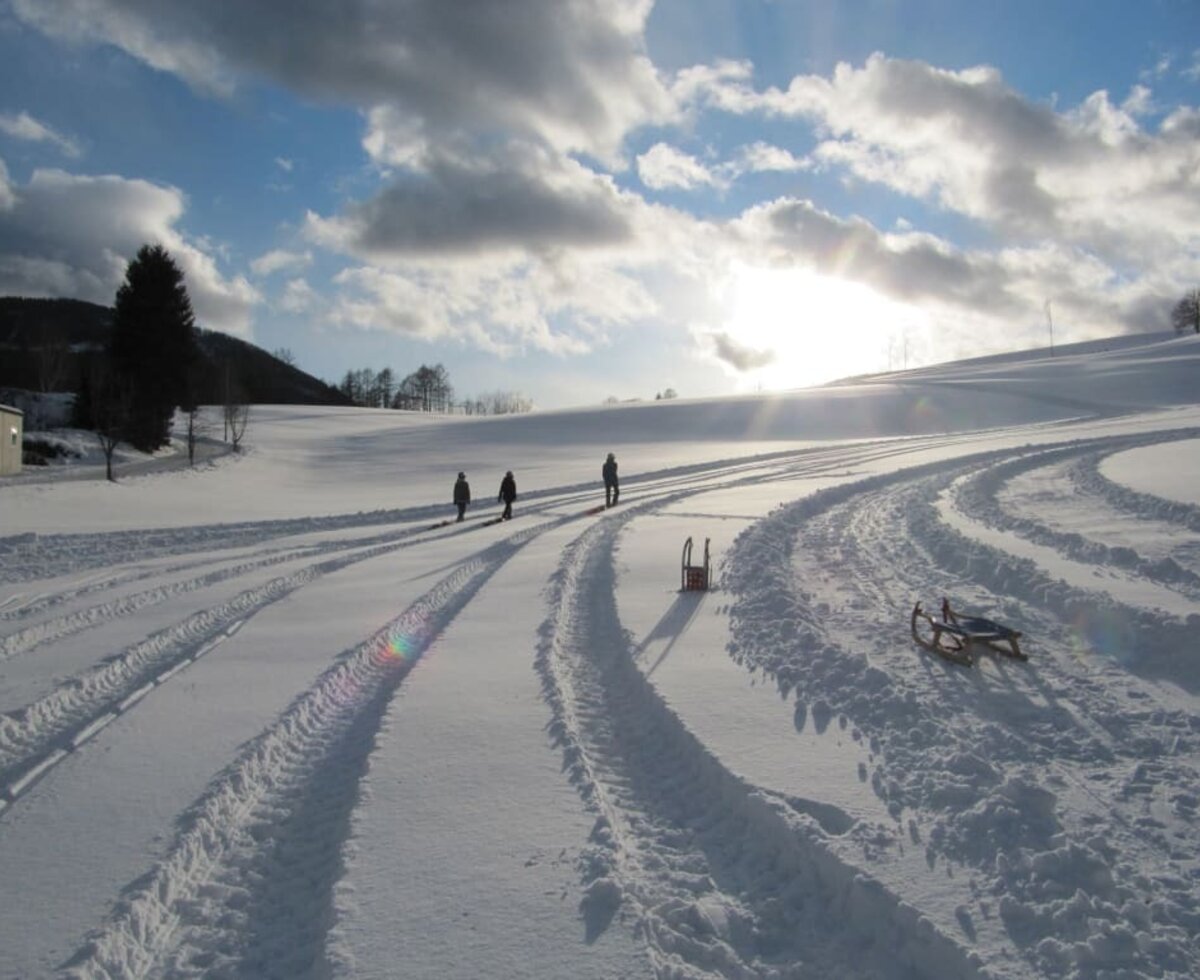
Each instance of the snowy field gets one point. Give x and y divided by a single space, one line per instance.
271 718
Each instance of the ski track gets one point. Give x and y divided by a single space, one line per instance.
994 767
723 879
61 720
269 831
978 497
26 639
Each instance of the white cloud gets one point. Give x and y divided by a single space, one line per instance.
967 142
24 127
1192 71
8 197
70 235
663 166
280 260
284 164
299 297
762 157
573 74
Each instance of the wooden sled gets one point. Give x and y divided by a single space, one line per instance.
956 637
695 578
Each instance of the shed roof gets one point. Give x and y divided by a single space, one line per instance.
9 408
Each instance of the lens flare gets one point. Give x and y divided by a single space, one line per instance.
1104 631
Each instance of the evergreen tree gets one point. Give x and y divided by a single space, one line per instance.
153 345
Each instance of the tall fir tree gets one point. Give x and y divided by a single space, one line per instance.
153 347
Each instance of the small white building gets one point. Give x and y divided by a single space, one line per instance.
12 422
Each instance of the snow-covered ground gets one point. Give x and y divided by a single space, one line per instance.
269 717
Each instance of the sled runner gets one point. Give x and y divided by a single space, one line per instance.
955 636
695 578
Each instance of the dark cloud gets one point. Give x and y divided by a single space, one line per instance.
452 208
738 356
911 268
573 72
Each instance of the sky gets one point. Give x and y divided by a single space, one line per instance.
580 201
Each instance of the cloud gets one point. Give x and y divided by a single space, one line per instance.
299 297
1192 71
573 74
284 164
968 143
280 260
976 299
24 127
520 199
69 235
664 167
737 356
8 197
762 157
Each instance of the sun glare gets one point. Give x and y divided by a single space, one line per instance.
791 328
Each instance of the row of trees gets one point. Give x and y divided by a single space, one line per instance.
427 389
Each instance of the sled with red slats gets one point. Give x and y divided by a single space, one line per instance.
695 578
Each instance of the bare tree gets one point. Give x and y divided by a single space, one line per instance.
53 357
284 354
235 410
507 403
196 427
385 383
109 409
427 389
1185 317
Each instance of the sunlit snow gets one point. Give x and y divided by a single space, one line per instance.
276 716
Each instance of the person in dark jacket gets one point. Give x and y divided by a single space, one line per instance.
462 494
612 489
508 493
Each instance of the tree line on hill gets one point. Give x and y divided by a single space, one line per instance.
133 366
427 389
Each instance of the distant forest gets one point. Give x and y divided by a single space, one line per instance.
45 345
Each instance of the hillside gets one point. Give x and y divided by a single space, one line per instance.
46 342
279 715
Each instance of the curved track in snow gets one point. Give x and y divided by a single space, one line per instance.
1002 770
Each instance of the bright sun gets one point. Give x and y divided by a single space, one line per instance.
810 328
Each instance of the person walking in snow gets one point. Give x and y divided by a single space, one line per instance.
508 493
462 495
612 489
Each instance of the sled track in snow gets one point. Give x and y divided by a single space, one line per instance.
37 556
954 748
67 624
40 734
269 831
724 880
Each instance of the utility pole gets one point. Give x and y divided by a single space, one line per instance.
1050 323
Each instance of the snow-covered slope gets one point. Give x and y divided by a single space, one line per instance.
273 717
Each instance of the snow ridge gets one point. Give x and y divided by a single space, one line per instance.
723 879
992 769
